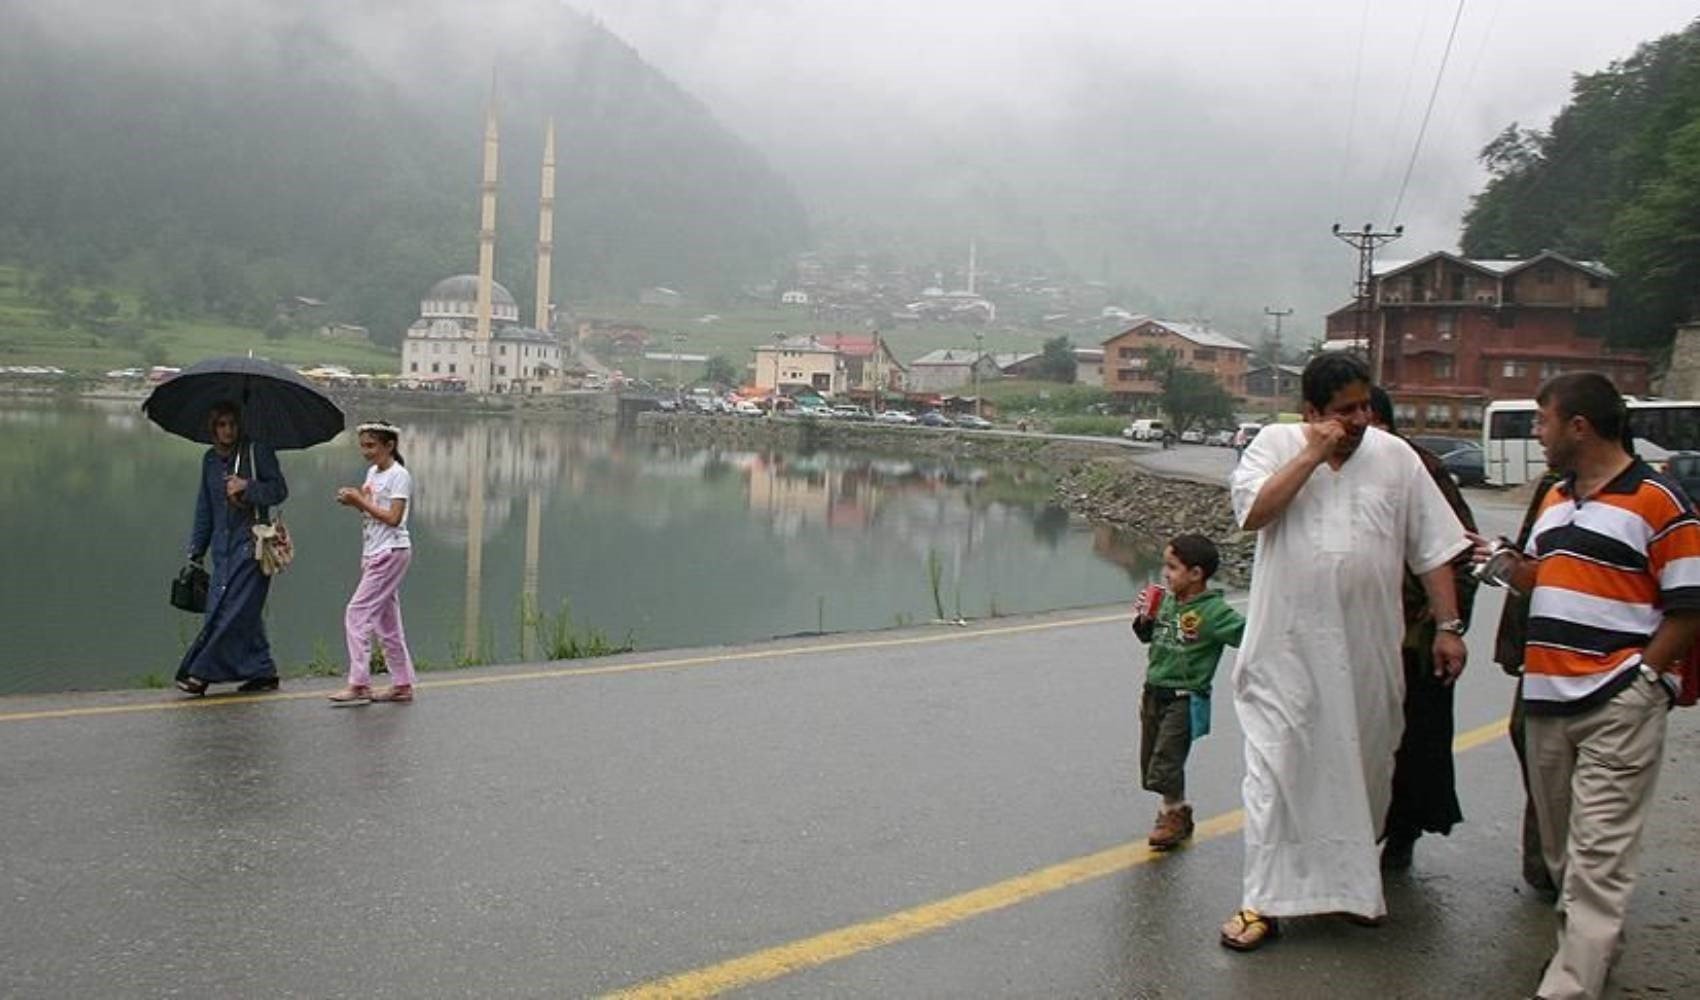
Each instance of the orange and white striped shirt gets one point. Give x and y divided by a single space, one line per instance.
1610 567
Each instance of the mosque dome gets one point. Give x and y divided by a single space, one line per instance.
464 288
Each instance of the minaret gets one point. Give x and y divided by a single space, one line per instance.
480 381
546 228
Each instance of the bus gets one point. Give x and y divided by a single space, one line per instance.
1512 455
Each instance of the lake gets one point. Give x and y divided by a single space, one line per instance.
662 546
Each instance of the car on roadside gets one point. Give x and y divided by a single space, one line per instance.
851 411
1441 444
973 422
933 418
1466 465
1192 436
1220 439
1145 430
747 408
814 410
895 417
1684 467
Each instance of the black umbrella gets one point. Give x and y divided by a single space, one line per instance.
279 407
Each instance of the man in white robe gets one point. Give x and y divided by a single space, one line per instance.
1340 509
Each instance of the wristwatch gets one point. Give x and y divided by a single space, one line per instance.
1453 625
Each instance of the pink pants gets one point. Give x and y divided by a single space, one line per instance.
376 607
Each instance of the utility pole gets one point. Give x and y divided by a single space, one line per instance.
1365 242
1278 314
979 352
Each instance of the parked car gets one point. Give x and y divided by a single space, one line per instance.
1441 445
1684 467
813 410
895 417
1244 433
850 411
1193 436
1144 430
933 418
747 408
1220 439
1466 465
969 421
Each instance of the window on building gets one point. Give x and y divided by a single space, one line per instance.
413 367
1470 415
451 367
503 350
436 368
1514 369
1550 368
1127 352
437 347
1442 367
1439 415
502 369
1204 354
1405 413
1444 321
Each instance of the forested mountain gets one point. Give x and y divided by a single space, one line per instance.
1616 177
218 155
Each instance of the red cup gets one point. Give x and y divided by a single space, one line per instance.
1150 599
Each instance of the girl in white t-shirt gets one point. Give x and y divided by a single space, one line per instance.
385 553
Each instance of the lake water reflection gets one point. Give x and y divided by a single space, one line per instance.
671 547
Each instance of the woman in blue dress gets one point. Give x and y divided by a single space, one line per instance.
238 478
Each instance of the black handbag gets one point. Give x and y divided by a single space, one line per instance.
189 589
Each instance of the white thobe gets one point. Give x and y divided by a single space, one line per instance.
1319 685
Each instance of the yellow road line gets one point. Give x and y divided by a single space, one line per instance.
806 953
559 673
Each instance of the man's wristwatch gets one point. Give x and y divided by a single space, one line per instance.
1453 625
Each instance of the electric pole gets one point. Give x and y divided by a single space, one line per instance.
1366 241
1278 314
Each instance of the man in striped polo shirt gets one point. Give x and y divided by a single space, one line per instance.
1613 572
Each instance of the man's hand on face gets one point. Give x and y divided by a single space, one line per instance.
1449 656
1323 436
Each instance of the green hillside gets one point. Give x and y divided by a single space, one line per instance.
204 173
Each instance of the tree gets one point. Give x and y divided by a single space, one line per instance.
1056 362
721 371
102 309
1188 396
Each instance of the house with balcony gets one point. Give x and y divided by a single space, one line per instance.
798 363
1446 334
1127 357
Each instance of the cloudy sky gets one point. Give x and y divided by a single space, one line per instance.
1166 143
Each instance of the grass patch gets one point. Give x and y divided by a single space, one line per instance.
1092 425
560 638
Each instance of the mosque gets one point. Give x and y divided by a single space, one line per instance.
440 345
468 334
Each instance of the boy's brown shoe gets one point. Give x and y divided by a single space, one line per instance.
1173 827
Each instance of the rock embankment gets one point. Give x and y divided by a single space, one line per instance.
1118 492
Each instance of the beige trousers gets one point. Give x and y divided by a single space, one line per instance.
1591 777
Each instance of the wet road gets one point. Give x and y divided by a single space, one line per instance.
795 819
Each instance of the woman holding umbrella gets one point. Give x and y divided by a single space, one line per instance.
246 409
238 478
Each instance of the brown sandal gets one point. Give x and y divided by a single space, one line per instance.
1249 930
399 693
354 694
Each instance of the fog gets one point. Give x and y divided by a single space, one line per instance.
1196 152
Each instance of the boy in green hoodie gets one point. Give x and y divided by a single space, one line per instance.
1187 634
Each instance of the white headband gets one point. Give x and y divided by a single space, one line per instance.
379 426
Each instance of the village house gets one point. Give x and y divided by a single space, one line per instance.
869 365
1127 357
1273 387
800 363
942 371
1446 334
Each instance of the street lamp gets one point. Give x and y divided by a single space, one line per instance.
678 389
979 340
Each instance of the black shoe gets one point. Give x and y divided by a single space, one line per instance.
192 686
1396 853
258 684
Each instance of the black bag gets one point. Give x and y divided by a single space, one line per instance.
189 589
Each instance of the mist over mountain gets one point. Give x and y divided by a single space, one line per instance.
225 153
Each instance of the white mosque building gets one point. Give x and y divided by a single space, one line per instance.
439 345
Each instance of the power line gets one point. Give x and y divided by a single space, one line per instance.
1352 115
1434 92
